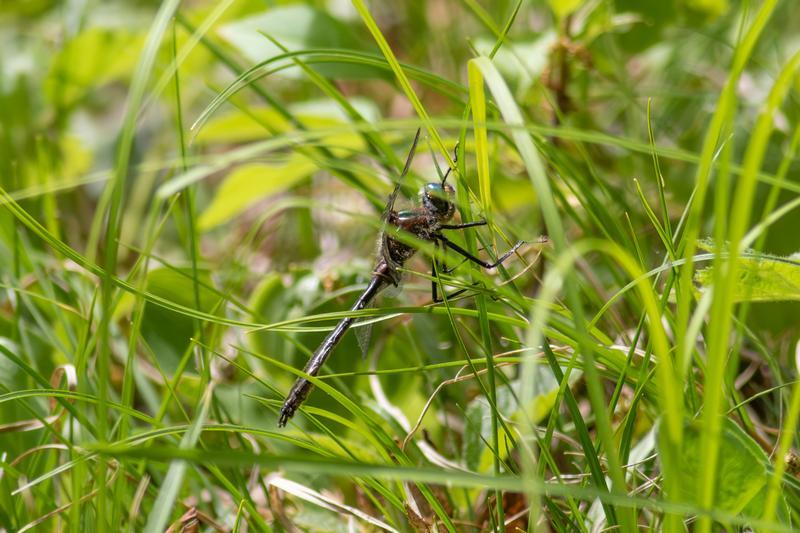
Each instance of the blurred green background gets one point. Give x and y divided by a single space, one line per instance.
263 146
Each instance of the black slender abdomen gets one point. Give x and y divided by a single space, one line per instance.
302 387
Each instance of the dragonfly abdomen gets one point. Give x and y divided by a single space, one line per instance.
302 386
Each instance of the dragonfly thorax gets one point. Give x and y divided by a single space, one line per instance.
437 200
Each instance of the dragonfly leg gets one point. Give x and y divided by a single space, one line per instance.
435 274
454 294
464 225
461 226
454 268
434 282
485 264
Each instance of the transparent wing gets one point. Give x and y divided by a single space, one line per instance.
393 196
363 332
387 212
364 336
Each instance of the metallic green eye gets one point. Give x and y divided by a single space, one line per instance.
438 190
437 199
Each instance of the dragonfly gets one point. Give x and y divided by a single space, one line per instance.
426 222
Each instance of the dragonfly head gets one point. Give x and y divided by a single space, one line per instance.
437 199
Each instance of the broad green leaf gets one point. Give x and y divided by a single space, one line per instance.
478 434
270 300
520 63
326 112
236 127
712 8
762 278
742 471
248 184
563 8
95 57
11 378
296 27
651 18
16 374
169 333
598 21
317 520
27 8
76 159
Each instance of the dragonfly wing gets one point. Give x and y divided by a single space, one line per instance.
363 332
398 186
364 337
387 212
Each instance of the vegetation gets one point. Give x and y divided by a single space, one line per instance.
191 192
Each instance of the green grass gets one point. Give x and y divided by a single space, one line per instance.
189 200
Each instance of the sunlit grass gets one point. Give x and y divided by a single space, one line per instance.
629 371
